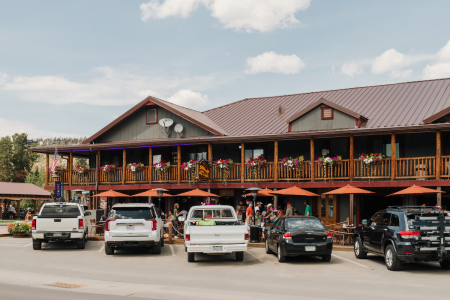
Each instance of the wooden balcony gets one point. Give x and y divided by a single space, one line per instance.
286 174
339 171
170 176
263 174
381 170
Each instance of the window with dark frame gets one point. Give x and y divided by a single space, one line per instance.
327 113
152 116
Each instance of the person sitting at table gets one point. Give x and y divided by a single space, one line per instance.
258 218
273 217
170 217
103 217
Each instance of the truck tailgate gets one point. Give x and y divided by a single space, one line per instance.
131 227
222 234
56 224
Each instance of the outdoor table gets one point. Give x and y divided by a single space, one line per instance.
348 229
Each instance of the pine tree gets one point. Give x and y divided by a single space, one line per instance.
6 165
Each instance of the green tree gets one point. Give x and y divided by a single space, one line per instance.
36 177
6 164
22 159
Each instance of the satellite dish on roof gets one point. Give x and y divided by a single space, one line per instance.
166 122
179 129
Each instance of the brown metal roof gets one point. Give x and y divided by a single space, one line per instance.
437 116
195 117
391 105
22 190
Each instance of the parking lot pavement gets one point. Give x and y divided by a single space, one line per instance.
170 276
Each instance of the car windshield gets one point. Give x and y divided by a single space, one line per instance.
130 213
222 213
302 224
60 211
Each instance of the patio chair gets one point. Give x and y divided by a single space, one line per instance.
337 235
95 227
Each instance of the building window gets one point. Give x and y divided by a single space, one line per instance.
152 116
327 113
256 152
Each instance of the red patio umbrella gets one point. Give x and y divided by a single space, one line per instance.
151 193
261 193
293 191
111 193
197 193
415 190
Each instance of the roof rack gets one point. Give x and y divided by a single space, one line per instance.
411 207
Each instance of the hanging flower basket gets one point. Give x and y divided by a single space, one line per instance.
190 167
133 167
108 168
224 168
81 169
58 169
293 165
369 160
254 166
162 168
328 162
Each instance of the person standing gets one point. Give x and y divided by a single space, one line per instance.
289 210
308 210
249 209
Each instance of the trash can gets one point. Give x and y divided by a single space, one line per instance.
254 234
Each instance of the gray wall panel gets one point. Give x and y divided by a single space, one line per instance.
313 121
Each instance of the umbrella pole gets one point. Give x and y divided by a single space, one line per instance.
351 208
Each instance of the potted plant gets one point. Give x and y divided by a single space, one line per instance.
224 168
19 229
162 168
190 167
293 165
368 160
81 169
108 169
328 162
254 165
133 167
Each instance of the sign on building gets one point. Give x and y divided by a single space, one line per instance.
58 190
203 171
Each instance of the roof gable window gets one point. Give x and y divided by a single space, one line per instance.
152 116
327 113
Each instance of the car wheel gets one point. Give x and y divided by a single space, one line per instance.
162 240
86 237
81 244
109 250
281 257
156 249
391 260
326 258
360 253
191 256
445 265
240 256
37 244
268 251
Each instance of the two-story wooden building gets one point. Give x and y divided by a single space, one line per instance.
407 122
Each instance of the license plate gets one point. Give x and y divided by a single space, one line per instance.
130 227
57 234
310 248
216 248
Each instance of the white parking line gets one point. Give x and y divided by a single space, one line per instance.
248 251
27 245
171 249
101 249
349 261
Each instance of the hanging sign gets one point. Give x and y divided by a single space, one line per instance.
58 189
203 171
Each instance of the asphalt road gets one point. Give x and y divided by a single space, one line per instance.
60 271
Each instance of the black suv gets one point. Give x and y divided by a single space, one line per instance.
406 234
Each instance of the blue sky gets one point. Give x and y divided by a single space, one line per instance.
68 68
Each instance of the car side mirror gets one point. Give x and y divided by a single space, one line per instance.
88 213
364 222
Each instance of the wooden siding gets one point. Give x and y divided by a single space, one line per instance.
313 121
135 128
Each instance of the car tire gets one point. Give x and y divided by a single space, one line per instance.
326 258
86 237
445 265
240 256
37 244
281 257
358 249
109 250
81 244
162 240
191 256
268 251
156 249
391 260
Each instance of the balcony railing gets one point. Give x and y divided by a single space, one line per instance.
419 168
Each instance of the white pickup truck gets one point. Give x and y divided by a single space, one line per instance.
214 229
60 222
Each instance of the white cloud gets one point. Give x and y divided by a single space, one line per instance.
388 61
188 98
248 15
401 73
444 54
107 86
351 69
273 62
441 69
10 127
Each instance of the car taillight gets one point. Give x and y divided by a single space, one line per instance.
246 236
409 234
408 252
187 237
287 235
33 224
107 224
80 223
153 223
329 235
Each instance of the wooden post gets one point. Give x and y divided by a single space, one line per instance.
46 169
242 162
312 159
124 165
352 162
351 208
210 158
70 167
438 155
97 170
393 163
35 206
275 162
439 197
179 164
150 164
275 201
